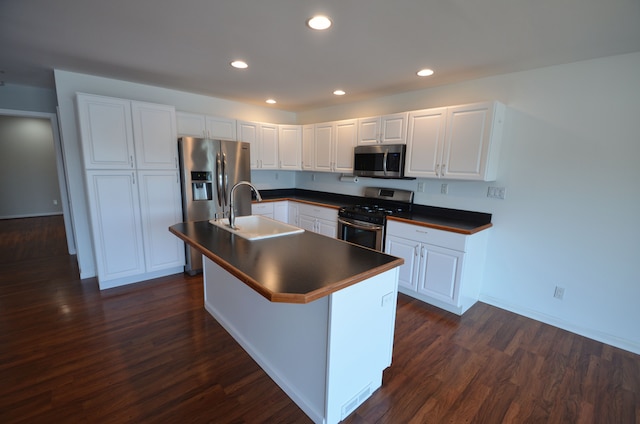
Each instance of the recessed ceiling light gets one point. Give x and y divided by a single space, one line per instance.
319 22
239 64
339 92
271 101
425 72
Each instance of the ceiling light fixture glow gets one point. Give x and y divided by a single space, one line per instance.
239 64
271 101
339 92
425 72
319 22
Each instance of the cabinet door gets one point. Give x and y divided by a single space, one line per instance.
190 124
220 128
307 222
281 211
268 151
393 128
425 141
327 228
368 130
115 223
440 273
161 207
289 146
155 136
308 146
106 132
345 140
293 213
323 147
248 132
472 141
407 250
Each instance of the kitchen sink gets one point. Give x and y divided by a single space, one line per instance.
257 227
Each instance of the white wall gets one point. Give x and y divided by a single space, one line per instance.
570 165
68 83
28 175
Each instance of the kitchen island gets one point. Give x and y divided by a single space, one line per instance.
317 314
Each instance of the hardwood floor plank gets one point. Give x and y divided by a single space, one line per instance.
150 353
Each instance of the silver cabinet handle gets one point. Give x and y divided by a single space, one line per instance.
359 227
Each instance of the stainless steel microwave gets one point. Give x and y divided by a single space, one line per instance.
380 161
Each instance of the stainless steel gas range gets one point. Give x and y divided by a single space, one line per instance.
365 223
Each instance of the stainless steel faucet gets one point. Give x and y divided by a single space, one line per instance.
232 213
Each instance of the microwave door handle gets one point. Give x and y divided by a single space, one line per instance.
360 227
384 161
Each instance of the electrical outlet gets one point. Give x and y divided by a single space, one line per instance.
444 189
421 187
55 201
497 192
276 176
558 293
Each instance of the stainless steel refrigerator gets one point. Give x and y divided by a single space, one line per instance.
208 170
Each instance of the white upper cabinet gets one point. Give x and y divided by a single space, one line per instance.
308 146
425 142
155 136
194 125
387 129
106 132
289 146
345 140
472 141
334 143
459 142
264 143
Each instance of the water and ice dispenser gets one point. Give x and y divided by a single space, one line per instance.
201 185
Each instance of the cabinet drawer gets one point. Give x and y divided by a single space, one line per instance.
262 209
318 212
428 235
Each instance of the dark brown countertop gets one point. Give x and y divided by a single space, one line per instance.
297 268
454 220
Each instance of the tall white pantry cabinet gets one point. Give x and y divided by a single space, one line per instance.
130 157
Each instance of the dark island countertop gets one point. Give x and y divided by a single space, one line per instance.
297 268
454 220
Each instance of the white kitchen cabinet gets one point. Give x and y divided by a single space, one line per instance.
274 210
264 143
132 201
262 209
334 143
387 129
155 135
289 147
466 149
308 146
425 142
161 207
318 219
116 224
106 131
292 211
441 268
213 127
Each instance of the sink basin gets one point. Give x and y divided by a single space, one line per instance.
257 227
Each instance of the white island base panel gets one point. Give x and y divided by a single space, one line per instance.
328 355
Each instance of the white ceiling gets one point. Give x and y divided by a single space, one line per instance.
374 47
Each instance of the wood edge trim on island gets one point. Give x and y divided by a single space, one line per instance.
286 297
290 199
441 227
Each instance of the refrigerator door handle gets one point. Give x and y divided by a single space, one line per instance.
225 180
219 181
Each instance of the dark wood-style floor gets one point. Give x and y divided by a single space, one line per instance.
149 353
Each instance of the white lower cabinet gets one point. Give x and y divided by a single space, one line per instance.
274 210
160 207
318 219
442 268
130 215
116 224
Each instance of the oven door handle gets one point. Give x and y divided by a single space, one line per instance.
360 227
